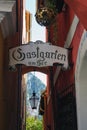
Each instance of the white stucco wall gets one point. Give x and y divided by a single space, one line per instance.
81 83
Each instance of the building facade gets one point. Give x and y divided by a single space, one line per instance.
11 27
66 100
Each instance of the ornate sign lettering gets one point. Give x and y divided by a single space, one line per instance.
38 55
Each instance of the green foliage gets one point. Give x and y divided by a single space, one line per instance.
51 4
33 123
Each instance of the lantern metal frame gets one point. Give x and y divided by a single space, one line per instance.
34 100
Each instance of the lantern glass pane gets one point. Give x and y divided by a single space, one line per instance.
34 102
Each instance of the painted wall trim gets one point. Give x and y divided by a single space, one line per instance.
68 42
71 32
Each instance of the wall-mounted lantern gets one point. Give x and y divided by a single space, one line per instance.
34 100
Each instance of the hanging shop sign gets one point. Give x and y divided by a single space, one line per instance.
38 54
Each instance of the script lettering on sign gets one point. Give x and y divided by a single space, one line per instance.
39 55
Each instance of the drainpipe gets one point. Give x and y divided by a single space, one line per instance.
19 67
52 97
52 88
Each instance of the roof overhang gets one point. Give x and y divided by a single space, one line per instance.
8 17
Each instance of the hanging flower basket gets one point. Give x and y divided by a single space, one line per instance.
44 16
56 5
